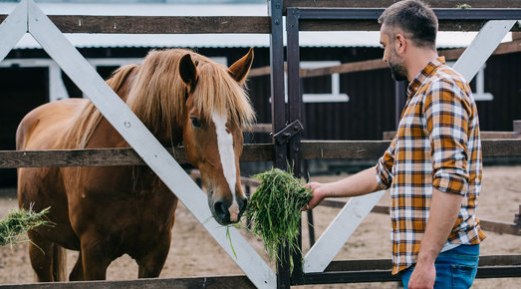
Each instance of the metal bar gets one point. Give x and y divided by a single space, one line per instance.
278 104
311 228
399 100
294 115
386 3
278 112
350 277
367 276
294 89
443 14
499 272
385 264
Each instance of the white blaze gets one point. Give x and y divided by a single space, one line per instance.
226 152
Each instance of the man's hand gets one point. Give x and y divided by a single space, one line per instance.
319 193
358 184
423 276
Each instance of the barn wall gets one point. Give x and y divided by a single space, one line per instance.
22 89
369 112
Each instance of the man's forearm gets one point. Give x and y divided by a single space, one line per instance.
442 216
358 184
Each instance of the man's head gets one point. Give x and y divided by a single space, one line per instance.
406 23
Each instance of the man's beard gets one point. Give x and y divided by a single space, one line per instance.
398 71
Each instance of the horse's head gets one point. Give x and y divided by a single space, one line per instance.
217 109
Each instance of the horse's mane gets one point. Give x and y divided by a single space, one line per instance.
157 96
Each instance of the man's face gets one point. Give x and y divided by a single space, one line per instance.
391 57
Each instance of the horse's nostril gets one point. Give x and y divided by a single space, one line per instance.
221 210
243 204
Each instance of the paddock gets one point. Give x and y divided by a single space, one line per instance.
287 144
370 241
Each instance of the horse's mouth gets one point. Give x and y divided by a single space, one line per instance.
224 213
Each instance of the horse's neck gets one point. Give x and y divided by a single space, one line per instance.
104 135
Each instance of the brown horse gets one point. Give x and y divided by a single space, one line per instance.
105 212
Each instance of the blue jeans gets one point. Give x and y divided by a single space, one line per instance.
455 268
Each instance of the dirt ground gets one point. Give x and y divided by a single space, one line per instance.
195 253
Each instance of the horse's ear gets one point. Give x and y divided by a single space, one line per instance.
188 71
240 69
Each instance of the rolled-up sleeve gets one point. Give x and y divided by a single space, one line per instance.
446 114
384 176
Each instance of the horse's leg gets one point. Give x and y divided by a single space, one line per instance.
59 264
41 255
77 271
151 264
95 261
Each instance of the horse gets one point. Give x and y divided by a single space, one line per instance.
183 98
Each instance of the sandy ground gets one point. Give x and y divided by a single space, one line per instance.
195 253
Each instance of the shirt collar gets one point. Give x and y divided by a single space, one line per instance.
431 67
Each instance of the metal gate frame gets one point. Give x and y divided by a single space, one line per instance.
320 255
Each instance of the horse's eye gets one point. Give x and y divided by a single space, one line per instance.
196 122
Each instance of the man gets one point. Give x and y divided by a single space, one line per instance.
433 165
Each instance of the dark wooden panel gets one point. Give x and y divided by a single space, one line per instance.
355 150
348 150
161 24
92 157
108 157
374 149
221 282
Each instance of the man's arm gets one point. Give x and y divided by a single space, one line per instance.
358 184
442 216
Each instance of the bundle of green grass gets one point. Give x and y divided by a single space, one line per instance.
275 210
18 222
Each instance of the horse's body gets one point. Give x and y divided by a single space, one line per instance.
105 212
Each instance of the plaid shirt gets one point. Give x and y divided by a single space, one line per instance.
437 145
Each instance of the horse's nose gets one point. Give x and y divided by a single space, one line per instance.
221 212
227 213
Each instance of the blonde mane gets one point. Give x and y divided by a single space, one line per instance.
157 96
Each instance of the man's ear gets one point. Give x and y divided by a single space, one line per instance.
400 43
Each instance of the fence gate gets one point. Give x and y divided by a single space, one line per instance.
28 18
